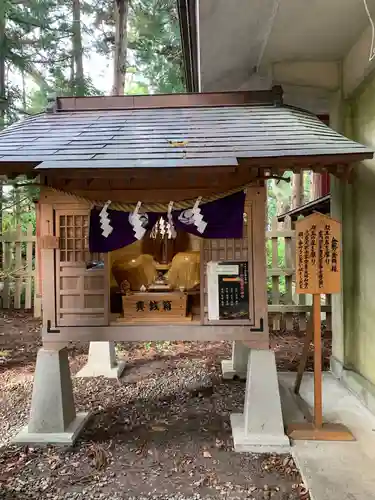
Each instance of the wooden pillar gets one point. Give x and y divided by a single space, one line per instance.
316 186
297 190
38 283
47 259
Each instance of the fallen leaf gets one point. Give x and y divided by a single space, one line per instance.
178 144
201 482
303 492
219 444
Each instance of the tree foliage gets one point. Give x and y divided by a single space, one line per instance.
46 46
155 39
41 42
45 42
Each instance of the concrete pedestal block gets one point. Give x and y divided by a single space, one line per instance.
260 428
53 419
237 366
102 361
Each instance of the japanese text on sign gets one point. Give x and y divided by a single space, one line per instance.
234 292
152 305
318 255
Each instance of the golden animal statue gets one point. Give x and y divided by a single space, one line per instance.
134 273
142 271
184 273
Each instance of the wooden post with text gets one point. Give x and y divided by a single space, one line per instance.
318 255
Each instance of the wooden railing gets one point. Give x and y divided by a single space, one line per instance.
287 310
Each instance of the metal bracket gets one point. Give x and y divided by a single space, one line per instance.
261 327
49 330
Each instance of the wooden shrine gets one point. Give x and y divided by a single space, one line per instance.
161 155
131 296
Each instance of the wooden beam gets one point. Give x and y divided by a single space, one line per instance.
152 332
146 184
208 99
144 173
305 162
145 195
14 169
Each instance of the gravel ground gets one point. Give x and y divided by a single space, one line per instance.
161 432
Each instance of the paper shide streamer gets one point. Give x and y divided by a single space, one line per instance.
198 217
172 233
139 222
221 218
193 216
105 223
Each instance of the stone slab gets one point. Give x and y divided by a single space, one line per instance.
358 385
228 371
256 443
91 370
334 470
66 438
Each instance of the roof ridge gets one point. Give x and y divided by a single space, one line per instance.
273 97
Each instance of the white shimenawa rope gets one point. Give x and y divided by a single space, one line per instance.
372 49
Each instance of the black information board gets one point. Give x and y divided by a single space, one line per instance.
234 292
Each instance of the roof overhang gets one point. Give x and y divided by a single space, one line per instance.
258 46
189 39
201 131
321 205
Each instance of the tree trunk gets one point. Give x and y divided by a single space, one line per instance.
24 97
297 190
2 64
2 101
79 83
121 44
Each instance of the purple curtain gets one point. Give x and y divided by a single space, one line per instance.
224 219
122 234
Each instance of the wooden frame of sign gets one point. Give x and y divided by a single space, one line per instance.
318 254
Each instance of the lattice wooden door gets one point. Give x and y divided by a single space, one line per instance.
81 293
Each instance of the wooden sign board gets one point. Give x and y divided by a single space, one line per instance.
49 242
318 254
228 290
152 305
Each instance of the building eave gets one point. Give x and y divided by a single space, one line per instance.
321 205
189 40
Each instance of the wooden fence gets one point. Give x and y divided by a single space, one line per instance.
287 310
17 283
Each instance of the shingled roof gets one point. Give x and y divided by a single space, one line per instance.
135 134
